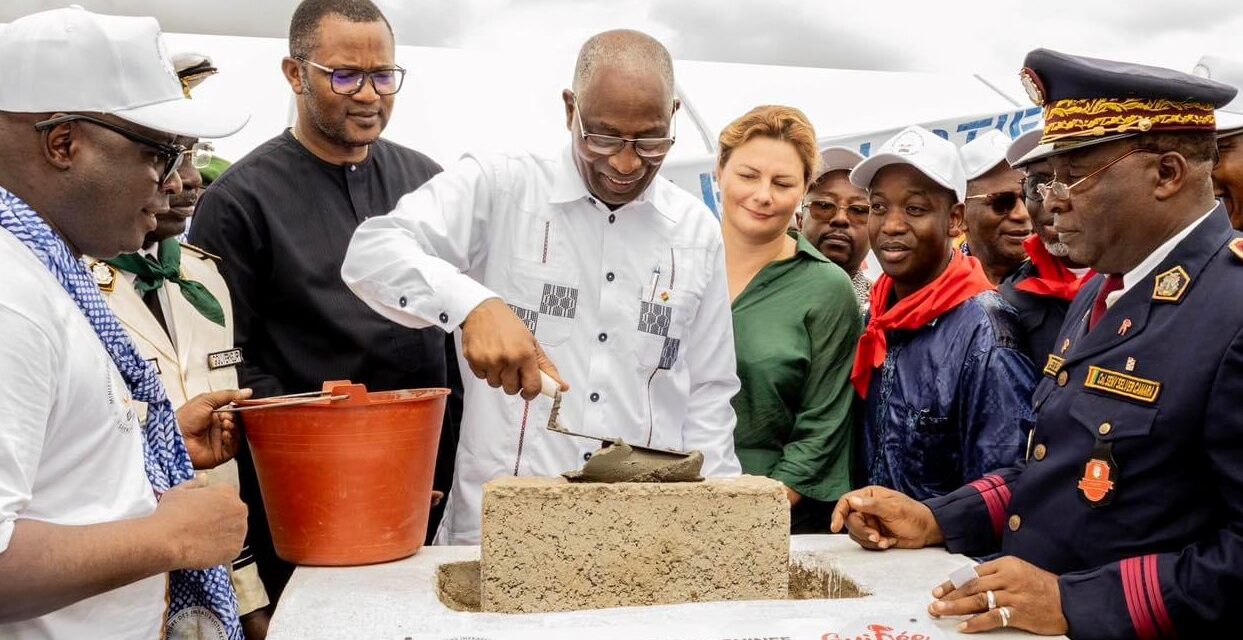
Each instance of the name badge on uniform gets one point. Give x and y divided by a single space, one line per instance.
1053 365
1121 384
1100 474
222 359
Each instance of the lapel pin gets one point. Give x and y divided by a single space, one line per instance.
1125 327
1065 345
1130 364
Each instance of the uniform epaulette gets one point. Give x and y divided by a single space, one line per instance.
201 252
1236 247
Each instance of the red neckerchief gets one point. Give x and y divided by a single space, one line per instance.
1054 279
961 280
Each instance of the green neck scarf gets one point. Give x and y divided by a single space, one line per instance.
152 274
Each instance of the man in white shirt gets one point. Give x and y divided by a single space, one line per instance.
102 535
589 260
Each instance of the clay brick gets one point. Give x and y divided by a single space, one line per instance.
550 545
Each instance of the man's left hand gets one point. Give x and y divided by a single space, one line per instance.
211 438
1030 595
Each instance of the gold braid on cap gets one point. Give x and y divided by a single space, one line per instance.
1073 119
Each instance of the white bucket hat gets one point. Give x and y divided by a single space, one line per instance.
73 60
931 154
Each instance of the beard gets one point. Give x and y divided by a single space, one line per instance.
1057 249
333 129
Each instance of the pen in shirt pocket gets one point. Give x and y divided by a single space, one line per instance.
655 283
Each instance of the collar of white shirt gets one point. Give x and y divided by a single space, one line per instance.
1132 277
569 185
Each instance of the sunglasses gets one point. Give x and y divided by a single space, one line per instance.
1001 202
170 155
347 81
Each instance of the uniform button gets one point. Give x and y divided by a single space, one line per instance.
612 218
1015 522
444 317
1105 428
595 397
402 302
1040 452
586 456
353 167
1062 379
602 337
609 276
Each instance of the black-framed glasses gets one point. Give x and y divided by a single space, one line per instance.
347 81
1001 202
826 210
1062 190
170 155
612 145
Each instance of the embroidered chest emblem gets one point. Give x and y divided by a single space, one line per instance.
1171 285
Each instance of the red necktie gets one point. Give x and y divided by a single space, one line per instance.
1112 284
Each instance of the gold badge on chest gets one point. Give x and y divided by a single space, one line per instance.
1053 365
1171 285
105 275
1121 384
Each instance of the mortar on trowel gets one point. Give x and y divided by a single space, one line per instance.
619 461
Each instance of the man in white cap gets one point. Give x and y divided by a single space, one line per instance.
948 390
835 217
103 531
1228 172
1041 288
995 215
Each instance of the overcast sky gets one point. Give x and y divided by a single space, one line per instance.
895 35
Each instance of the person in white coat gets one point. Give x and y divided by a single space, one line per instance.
589 260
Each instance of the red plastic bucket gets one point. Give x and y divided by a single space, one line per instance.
347 482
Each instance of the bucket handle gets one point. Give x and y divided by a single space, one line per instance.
356 394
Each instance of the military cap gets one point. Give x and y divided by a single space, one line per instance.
1089 101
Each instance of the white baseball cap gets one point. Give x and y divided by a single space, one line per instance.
983 153
1024 145
1229 117
838 159
74 60
931 154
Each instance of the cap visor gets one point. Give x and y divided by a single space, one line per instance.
189 118
1229 123
862 175
838 159
1049 150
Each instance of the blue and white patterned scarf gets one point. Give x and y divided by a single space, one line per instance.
202 600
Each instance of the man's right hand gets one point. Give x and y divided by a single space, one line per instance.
880 518
206 525
499 348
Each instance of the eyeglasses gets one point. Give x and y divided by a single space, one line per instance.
1001 202
826 210
348 81
1062 190
1031 186
169 154
613 145
200 154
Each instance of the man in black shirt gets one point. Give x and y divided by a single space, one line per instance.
282 217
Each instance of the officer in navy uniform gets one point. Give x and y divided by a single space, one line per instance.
1126 519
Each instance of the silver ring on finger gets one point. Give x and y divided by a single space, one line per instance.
1005 616
992 599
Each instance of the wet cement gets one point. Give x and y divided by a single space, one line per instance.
457 584
620 462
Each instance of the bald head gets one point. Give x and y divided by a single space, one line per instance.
624 51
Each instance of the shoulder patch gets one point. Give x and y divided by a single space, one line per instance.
1236 247
200 252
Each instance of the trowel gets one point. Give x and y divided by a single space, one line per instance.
552 389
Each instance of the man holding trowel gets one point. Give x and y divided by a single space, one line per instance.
590 260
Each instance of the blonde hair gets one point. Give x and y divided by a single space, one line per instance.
779 123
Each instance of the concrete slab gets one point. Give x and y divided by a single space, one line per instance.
397 600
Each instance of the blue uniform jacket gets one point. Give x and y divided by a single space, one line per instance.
951 402
1132 490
